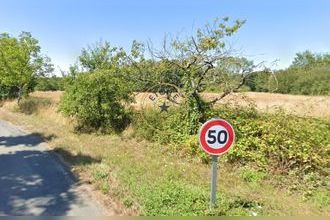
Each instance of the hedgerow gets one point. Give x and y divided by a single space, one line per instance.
273 142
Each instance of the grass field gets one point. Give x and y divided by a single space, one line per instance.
134 177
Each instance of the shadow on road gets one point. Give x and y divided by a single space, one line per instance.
34 182
79 159
27 140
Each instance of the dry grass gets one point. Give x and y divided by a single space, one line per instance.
69 145
55 96
120 166
315 106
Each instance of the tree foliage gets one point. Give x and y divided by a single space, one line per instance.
53 83
192 63
20 63
309 74
97 100
101 55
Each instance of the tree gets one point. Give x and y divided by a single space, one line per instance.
228 73
304 59
308 75
197 60
21 62
97 91
99 56
52 83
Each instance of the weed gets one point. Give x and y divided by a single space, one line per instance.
321 197
31 105
251 175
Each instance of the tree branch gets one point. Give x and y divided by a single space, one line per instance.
224 94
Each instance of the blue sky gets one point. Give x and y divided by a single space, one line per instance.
275 29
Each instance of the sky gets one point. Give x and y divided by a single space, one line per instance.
274 29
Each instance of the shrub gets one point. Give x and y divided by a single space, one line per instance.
277 142
97 100
8 92
31 105
160 127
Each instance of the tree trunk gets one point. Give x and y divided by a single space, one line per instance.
20 94
195 114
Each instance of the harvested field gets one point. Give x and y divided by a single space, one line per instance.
315 106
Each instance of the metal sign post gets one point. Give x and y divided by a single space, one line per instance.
216 137
214 180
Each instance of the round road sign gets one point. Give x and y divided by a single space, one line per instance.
216 136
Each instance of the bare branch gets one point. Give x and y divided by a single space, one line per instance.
195 44
224 94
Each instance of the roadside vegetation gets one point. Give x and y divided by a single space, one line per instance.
160 178
309 74
21 63
148 160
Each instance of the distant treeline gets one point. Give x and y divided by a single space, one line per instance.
53 83
309 74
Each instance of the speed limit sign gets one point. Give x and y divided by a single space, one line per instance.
216 136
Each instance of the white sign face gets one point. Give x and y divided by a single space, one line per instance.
217 136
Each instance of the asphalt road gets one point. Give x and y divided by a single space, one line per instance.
33 181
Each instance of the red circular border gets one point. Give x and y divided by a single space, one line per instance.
202 139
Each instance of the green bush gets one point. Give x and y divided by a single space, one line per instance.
53 83
8 92
97 100
277 143
160 127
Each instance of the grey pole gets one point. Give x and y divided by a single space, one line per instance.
214 180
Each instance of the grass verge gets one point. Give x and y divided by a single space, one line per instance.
143 178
